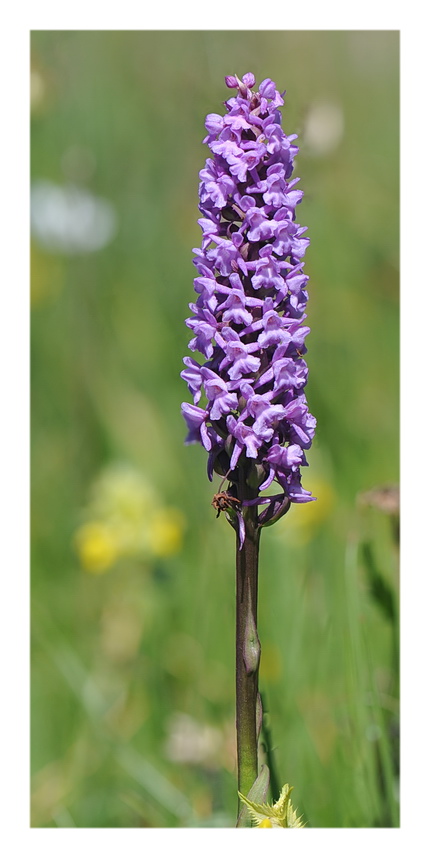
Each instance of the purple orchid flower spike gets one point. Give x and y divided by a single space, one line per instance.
248 320
249 408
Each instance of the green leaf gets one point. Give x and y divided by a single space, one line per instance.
257 793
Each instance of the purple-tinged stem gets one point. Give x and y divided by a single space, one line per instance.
247 646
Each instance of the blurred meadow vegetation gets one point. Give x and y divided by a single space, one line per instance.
132 575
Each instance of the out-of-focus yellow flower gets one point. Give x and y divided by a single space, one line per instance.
41 88
121 493
304 519
126 519
279 815
96 546
166 530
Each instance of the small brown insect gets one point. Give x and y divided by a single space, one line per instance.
222 502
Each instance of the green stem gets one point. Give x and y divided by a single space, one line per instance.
247 646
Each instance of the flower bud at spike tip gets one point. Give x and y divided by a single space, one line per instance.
248 319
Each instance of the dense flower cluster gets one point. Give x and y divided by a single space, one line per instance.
248 319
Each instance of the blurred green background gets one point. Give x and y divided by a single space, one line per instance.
132 576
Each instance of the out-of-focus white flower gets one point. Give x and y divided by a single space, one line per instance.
323 129
70 219
191 742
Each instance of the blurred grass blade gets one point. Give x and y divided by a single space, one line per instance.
86 691
153 782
